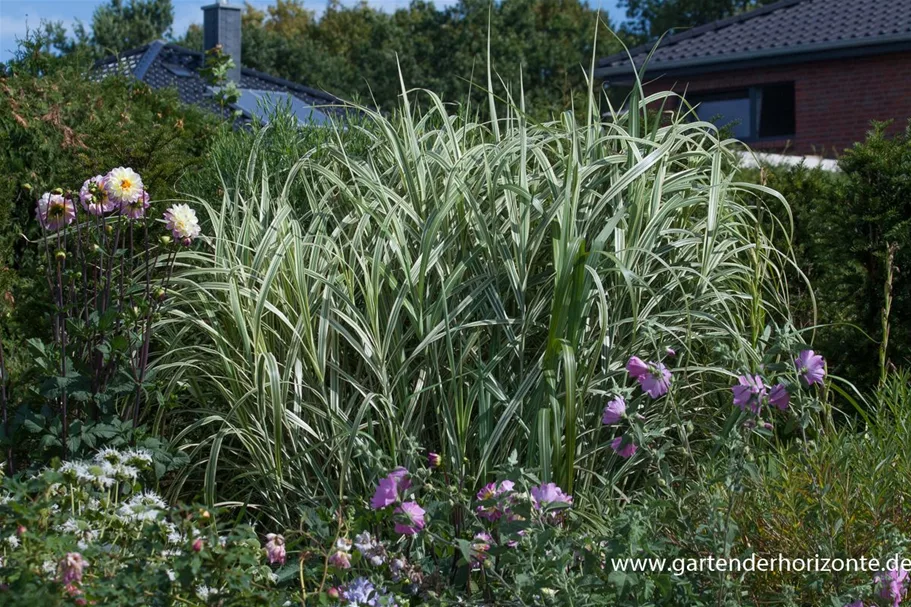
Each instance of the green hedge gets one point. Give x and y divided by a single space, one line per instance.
844 224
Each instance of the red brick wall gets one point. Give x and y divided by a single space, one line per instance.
835 100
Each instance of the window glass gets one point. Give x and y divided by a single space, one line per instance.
263 104
728 111
776 114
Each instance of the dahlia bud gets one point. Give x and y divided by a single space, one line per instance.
186 242
165 240
275 549
333 593
434 460
96 249
109 229
20 530
58 191
203 513
70 568
340 559
197 545
27 187
60 255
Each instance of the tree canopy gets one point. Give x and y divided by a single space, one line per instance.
649 19
357 51
118 25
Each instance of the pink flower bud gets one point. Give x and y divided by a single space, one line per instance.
275 549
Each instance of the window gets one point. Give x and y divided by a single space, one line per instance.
758 112
264 104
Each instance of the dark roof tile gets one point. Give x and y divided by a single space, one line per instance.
163 65
787 26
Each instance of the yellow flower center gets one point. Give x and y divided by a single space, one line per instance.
126 184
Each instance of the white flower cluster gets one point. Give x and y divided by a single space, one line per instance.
108 467
142 507
80 529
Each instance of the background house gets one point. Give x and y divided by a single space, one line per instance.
806 76
161 65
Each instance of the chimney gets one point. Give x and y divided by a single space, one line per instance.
221 25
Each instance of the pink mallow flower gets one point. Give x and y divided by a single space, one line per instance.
811 367
70 568
547 494
275 549
492 491
779 397
614 411
625 451
390 489
409 518
653 377
749 393
892 585
54 211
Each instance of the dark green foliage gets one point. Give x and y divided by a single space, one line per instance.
58 127
118 26
844 224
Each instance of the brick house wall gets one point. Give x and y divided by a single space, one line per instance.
834 100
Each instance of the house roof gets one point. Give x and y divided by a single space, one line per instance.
162 65
788 31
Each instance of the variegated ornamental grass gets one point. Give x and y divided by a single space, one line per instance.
474 287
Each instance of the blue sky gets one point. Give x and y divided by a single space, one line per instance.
16 15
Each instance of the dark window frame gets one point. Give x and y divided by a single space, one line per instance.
754 95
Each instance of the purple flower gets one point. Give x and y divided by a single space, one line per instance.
360 592
94 197
811 367
409 518
636 367
779 397
749 393
390 489
275 549
54 211
487 492
434 460
614 411
71 567
549 493
654 377
491 491
625 451
892 585
670 352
